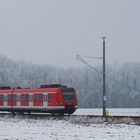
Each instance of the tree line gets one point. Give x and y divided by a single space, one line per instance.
122 81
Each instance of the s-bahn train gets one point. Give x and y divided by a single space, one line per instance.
54 99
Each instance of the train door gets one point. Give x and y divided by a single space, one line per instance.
1 100
11 102
18 100
38 99
24 100
31 100
14 102
54 99
45 100
5 100
51 99
35 103
8 100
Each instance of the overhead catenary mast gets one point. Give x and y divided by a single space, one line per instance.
79 57
104 82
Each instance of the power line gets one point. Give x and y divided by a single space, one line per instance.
90 57
79 57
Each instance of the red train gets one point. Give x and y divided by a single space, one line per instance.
55 99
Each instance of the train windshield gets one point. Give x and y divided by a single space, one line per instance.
68 96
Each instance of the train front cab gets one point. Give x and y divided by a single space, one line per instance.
70 100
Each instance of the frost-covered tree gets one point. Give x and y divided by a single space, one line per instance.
122 81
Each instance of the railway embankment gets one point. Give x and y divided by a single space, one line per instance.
80 119
97 119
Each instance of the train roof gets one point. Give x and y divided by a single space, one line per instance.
43 88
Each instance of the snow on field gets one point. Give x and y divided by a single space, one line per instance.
31 128
112 111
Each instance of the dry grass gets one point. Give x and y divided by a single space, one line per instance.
99 120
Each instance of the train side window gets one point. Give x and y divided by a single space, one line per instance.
30 98
40 98
22 98
49 98
5 98
9 98
26 98
1 98
35 98
14 98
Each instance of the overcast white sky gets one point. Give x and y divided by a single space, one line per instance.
54 31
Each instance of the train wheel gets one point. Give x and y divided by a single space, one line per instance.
29 112
53 114
21 113
61 114
13 113
70 113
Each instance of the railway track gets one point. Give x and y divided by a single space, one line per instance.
74 116
84 119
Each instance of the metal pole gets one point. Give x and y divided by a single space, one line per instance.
104 85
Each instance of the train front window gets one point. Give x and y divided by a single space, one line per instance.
68 97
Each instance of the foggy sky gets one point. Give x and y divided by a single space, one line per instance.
54 31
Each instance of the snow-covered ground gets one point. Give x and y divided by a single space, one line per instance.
37 128
112 111
53 128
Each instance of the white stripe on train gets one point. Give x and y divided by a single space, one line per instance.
32 107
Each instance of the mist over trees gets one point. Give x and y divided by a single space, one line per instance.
122 81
